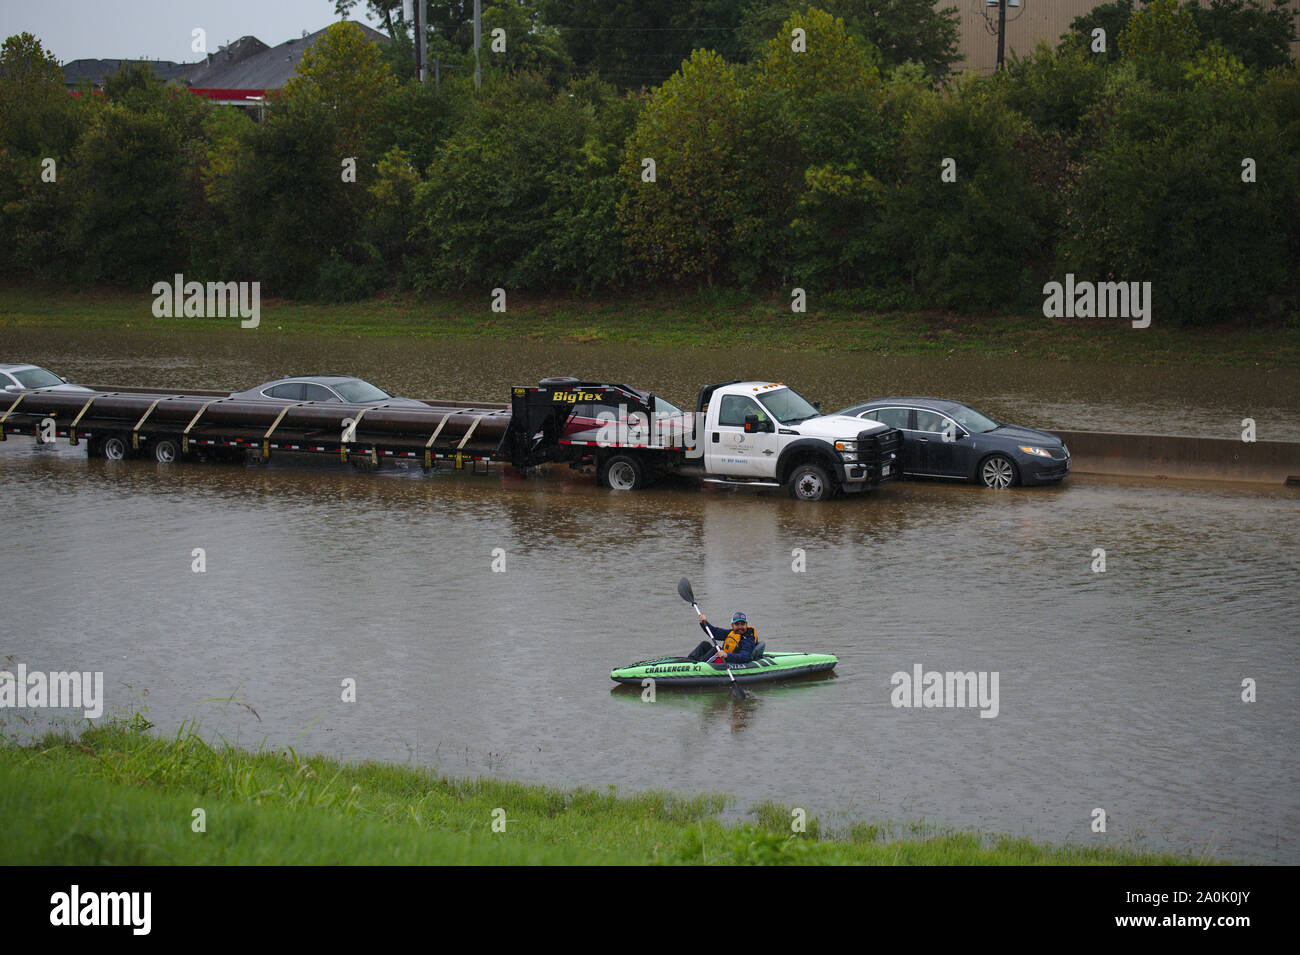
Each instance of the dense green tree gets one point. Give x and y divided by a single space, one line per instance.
684 225
640 43
39 121
1162 196
816 109
915 31
983 239
1258 32
37 117
1160 39
285 210
1110 17
344 73
128 197
418 117
498 204
1054 88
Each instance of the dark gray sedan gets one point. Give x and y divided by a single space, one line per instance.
946 439
353 391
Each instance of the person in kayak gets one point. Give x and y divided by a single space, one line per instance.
738 641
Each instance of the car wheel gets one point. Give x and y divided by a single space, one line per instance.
811 482
623 472
998 471
166 450
114 448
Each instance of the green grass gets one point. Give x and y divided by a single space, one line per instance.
701 319
119 795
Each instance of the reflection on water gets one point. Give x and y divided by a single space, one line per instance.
1048 394
1119 689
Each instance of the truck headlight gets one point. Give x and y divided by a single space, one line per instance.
846 445
1039 452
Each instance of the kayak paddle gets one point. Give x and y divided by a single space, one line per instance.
685 592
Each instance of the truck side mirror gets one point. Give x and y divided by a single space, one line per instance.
817 405
751 423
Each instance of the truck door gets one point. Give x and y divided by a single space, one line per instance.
729 450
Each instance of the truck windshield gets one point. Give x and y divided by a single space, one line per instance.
788 407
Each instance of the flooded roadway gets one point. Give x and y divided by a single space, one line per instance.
1119 690
1210 402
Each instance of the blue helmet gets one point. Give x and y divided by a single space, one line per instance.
739 617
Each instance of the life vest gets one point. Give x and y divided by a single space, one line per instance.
740 640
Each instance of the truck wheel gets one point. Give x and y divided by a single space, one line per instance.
166 450
114 448
998 471
811 482
623 472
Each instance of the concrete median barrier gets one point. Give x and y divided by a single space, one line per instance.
1181 456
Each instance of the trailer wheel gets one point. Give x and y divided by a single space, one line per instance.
114 448
811 482
623 472
166 450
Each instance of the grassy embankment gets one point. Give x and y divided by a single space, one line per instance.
705 320
120 795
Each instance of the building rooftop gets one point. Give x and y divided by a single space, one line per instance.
248 63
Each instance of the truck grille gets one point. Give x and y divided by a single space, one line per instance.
879 449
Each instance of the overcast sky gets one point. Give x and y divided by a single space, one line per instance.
160 29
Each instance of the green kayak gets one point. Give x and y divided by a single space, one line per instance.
682 671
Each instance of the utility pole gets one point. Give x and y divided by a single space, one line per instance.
421 40
998 28
478 35
1002 31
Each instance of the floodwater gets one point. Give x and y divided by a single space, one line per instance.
1119 690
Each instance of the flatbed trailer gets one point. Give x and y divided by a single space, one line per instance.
168 425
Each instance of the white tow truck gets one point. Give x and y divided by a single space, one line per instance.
746 433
